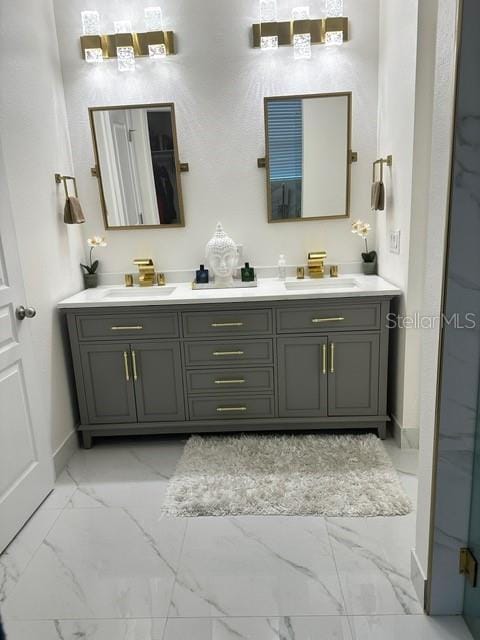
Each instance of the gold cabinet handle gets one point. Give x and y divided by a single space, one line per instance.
324 359
134 360
230 409
125 362
226 324
332 358
320 320
228 353
239 381
137 327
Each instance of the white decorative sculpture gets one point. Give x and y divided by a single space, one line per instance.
222 257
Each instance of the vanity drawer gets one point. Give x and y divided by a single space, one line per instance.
128 326
217 353
227 323
323 317
224 381
231 408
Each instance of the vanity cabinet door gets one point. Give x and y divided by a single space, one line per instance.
107 375
353 374
157 375
302 376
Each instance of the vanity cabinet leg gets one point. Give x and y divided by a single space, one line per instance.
86 440
382 431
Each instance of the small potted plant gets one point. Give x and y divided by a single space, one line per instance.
90 275
369 258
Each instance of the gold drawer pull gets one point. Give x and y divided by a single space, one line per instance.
125 361
239 381
134 360
228 353
231 409
319 320
226 324
137 327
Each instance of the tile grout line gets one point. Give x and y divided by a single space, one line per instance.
239 617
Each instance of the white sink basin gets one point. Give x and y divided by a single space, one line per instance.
139 292
322 284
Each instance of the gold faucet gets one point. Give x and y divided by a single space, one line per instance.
146 270
316 265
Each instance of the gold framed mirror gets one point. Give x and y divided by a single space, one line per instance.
308 156
137 166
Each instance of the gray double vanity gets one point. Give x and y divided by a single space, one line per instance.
256 354
277 357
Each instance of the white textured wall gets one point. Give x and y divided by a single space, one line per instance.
396 116
218 82
35 139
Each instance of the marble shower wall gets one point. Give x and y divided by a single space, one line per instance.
461 346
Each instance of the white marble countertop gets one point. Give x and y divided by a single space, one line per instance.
269 289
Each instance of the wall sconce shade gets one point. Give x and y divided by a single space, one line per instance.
334 8
268 10
302 46
90 23
285 31
126 58
153 19
94 56
333 38
154 43
302 39
269 42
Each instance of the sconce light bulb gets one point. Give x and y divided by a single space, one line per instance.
91 23
153 19
334 8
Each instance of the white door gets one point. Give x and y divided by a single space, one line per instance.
122 134
26 467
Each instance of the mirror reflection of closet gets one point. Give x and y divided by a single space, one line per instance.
308 156
138 166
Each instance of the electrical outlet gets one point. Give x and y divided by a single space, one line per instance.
395 241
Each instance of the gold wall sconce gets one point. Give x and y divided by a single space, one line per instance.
301 31
125 45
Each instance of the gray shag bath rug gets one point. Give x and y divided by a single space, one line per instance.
329 475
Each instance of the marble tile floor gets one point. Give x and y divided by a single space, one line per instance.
98 561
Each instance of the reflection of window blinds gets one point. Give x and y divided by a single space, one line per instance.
285 139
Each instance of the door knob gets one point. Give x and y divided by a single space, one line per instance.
25 312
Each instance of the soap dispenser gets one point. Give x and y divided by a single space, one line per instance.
202 275
248 273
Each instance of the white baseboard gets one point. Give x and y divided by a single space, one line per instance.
64 452
418 578
405 437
